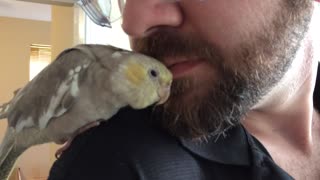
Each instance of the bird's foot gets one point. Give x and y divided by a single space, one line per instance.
79 131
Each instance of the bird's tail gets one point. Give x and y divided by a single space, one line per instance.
8 154
4 110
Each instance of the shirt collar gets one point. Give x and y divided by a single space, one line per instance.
232 148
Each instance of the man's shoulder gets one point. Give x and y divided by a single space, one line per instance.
129 130
132 131
129 124
131 146
129 141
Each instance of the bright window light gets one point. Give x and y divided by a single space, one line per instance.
115 36
40 57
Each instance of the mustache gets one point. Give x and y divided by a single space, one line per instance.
171 43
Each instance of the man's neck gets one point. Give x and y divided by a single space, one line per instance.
286 114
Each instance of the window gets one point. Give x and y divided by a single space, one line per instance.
115 36
40 57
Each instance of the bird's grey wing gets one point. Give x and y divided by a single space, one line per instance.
51 93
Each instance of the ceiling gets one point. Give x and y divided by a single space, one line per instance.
25 10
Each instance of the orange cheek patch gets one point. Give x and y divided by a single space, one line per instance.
136 74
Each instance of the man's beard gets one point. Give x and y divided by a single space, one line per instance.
256 66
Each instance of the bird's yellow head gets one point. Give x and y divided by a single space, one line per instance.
144 81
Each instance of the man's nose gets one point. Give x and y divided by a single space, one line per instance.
140 17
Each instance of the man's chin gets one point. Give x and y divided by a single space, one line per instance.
186 93
186 100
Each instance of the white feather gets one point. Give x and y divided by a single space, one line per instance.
71 72
85 66
59 113
77 69
26 123
116 55
54 102
7 108
74 86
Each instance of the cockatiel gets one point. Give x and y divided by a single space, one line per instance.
84 84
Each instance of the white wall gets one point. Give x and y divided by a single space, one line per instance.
25 10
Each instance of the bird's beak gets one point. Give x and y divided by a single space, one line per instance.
164 94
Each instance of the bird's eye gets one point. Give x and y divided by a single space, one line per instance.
153 73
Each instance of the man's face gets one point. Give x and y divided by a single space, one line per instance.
224 55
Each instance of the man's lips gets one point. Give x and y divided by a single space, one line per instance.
181 66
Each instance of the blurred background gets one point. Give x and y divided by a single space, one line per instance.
31 36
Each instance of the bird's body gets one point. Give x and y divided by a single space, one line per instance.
84 84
